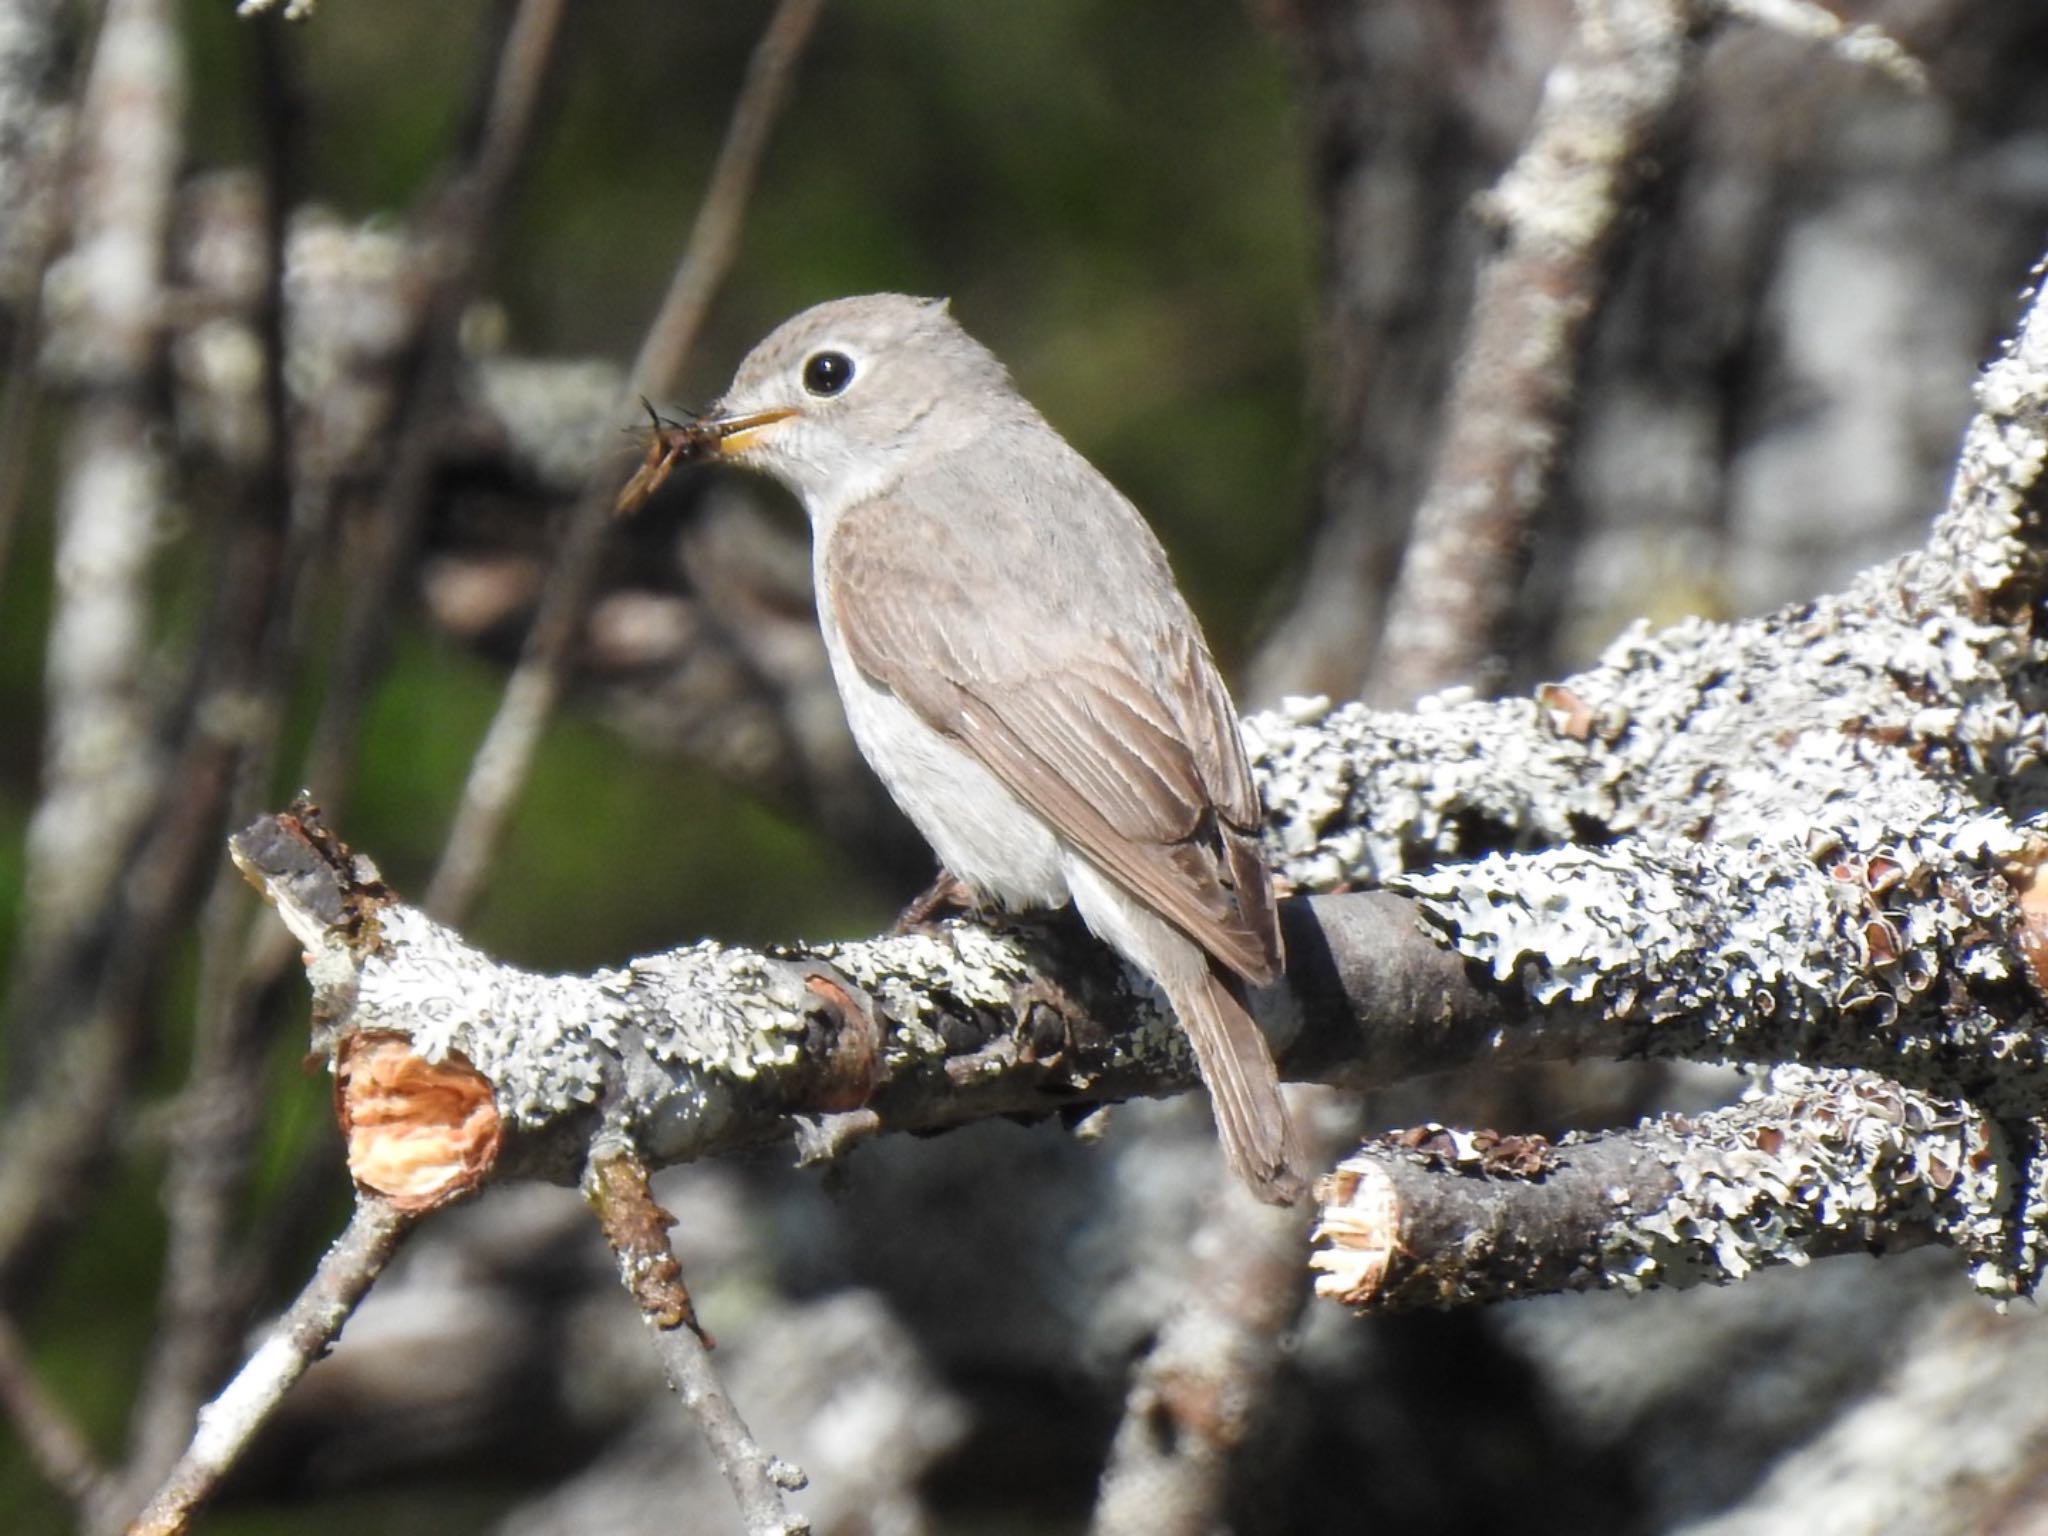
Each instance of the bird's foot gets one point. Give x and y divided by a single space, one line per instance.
948 896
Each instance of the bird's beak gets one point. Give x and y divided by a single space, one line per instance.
732 435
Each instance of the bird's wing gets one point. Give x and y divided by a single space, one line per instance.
1113 727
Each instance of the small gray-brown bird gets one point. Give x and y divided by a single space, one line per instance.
1020 669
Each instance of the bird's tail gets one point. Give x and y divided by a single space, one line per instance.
1237 1066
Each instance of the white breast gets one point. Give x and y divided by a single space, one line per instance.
981 832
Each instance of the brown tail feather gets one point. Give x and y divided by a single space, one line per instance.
1258 1140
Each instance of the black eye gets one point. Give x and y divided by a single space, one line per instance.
827 373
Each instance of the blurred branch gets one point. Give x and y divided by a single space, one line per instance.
1410 105
100 759
54 1443
459 229
1195 1395
206 1285
1509 414
301 1336
1917 1453
505 757
637 1229
34 144
103 771
1862 44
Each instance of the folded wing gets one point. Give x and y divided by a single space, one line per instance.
1113 725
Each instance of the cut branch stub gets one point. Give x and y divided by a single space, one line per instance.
1820 1162
420 1133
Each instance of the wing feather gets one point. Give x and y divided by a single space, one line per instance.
1113 726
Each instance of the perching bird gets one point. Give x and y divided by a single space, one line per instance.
1020 669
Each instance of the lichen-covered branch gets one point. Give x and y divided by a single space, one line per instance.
703 1049
1817 1162
102 766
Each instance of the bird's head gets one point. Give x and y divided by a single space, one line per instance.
838 400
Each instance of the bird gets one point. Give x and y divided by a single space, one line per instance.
1019 667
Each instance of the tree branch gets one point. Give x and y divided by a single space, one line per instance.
55 1443
1194 1397
1510 410
1818 1163
637 1228
302 1335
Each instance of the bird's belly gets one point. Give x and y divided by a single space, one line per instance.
981 832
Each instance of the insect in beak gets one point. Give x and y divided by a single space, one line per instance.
670 443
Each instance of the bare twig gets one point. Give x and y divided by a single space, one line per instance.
714 236
460 228
1511 403
54 1443
505 756
298 1338
637 1229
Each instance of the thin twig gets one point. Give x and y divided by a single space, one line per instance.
714 236
54 1442
503 760
1505 426
637 1229
459 231
302 1335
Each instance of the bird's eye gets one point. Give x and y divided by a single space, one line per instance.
827 373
